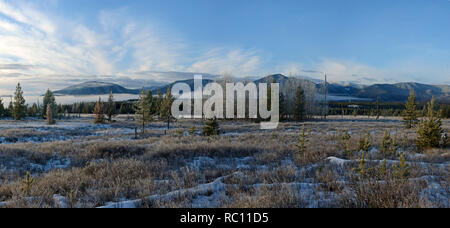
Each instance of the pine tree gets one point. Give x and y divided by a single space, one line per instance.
302 141
98 111
283 111
211 127
361 167
364 143
159 101
166 107
122 109
144 110
299 104
10 109
401 170
2 108
49 99
430 130
378 108
28 183
19 109
49 116
410 113
33 110
383 169
346 140
110 107
386 144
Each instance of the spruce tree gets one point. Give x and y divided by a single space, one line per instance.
28 183
166 108
19 108
378 108
211 127
33 110
122 109
299 104
2 108
49 116
10 109
401 169
361 170
302 141
430 130
283 111
410 113
159 101
110 107
387 144
144 110
98 111
364 143
49 99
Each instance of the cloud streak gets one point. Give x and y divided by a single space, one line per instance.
65 49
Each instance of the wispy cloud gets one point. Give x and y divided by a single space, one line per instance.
56 50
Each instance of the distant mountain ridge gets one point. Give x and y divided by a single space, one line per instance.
398 92
95 88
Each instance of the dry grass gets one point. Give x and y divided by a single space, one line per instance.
260 168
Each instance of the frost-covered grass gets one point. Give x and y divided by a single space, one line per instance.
79 164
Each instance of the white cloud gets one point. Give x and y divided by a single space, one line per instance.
237 62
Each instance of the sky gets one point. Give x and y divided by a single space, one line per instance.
57 43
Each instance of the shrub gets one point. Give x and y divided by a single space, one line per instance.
211 127
117 151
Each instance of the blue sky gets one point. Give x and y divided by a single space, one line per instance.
52 43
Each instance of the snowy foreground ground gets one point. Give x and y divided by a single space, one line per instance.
76 163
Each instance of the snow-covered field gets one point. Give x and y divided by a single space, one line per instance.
76 163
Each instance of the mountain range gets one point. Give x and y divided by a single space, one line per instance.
398 92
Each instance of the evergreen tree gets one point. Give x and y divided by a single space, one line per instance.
2 108
98 111
361 167
382 170
49 99
166 107
387 144
364 143
410 113
19 108
28 183
49 115
302 141
10 109
211 127
33 110
122 109
159 101
378 108
110 107
401 170
283 111
144 110
299 104
430 129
